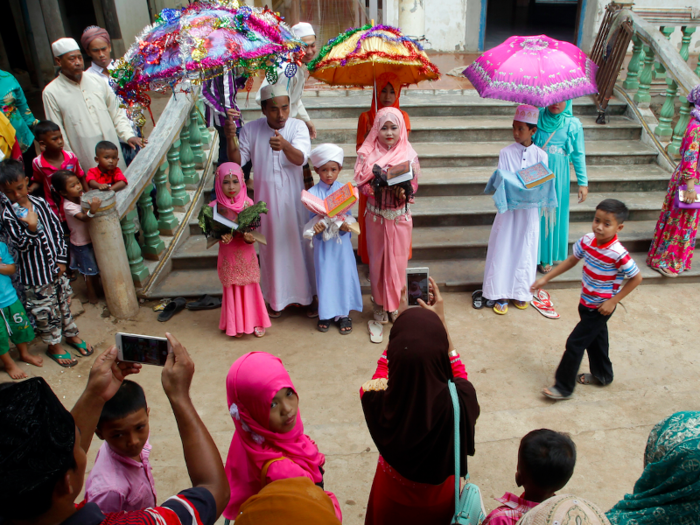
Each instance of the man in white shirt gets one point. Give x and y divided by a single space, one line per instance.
278 147
295 85
84 107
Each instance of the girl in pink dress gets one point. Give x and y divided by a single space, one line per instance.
269 442
242 305
388 223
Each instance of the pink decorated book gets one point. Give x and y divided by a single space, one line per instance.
336 203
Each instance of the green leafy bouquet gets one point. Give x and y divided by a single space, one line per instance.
248 220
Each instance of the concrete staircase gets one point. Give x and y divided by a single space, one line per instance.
457 138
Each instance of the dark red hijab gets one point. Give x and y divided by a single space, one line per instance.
412 421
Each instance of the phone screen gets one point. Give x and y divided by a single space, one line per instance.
144 349
417 288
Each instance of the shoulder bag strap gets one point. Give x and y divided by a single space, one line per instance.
455 407
266 466
550 138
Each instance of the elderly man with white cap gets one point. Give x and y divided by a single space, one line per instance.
295 86
278 147
84 107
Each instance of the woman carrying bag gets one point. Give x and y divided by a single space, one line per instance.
409 412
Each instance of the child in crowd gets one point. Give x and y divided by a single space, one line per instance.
37 235
121 479
337 282
107 175
15 325
606 263
388 222
243 308
269 442
82 256
53 158
511 259
546 461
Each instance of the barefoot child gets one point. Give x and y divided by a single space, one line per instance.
388 222
243 308
121 479
606 263
337 282
14 326
82 255
37 235
511 259
546 461
107 175
269 441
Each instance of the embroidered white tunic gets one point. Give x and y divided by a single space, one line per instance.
511 260
86 113
287 263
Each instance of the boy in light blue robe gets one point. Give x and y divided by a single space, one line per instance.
337 282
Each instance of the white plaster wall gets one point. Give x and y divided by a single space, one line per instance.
133 17
445 22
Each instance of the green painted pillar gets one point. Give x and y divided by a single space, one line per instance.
153 245
196 140
642 95
189 173
631 82
660 71
177 184
685 42
674 147
139 272
203 129
167 222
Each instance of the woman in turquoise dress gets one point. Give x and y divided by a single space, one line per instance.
560 135
15 108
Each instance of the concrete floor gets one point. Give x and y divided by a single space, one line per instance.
509 359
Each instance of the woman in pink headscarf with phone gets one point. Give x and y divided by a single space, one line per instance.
388 223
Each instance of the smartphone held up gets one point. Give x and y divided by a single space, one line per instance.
417 285
144 349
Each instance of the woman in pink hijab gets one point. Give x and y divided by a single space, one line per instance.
242 305
269 442
388 223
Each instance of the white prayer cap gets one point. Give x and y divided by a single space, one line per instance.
268 92
527 114
303 29
325 153
63 46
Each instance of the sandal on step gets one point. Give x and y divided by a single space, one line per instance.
345 325
82 348
553 393
259 331
380 315
501 307
393 316
478 299
587 379
520 305
67 356
544 269
323 325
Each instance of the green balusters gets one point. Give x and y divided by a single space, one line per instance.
139 272
679 131
660 71
153 245
177 181
642 95
196 140
203 130
685 42
187 157
631 82
663 130
167 222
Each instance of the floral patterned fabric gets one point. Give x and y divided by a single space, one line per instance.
15 108
674 238
668 492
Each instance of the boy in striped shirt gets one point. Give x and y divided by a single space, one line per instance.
606 263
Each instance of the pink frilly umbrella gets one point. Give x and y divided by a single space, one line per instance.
535 70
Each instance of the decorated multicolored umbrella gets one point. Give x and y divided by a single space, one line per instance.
358 56
187 46
535 70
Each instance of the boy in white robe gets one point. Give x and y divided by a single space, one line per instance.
511 260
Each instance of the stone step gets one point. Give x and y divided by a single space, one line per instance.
452 275
420 105
454 154
480 128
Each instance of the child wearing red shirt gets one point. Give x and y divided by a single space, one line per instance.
107 175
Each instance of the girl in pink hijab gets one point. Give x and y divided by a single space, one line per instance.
388 223
242 305
269 442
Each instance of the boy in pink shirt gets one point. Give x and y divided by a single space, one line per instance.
52 159
546 461
122 479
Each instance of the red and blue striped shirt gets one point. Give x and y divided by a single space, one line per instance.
604 269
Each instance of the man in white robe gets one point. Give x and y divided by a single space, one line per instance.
278 147
84 107
511 260
295 85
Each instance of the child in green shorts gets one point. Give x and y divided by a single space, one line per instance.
14 324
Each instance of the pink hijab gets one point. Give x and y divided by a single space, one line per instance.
237 203
253 380
374 152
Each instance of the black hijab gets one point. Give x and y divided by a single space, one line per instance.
412 421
